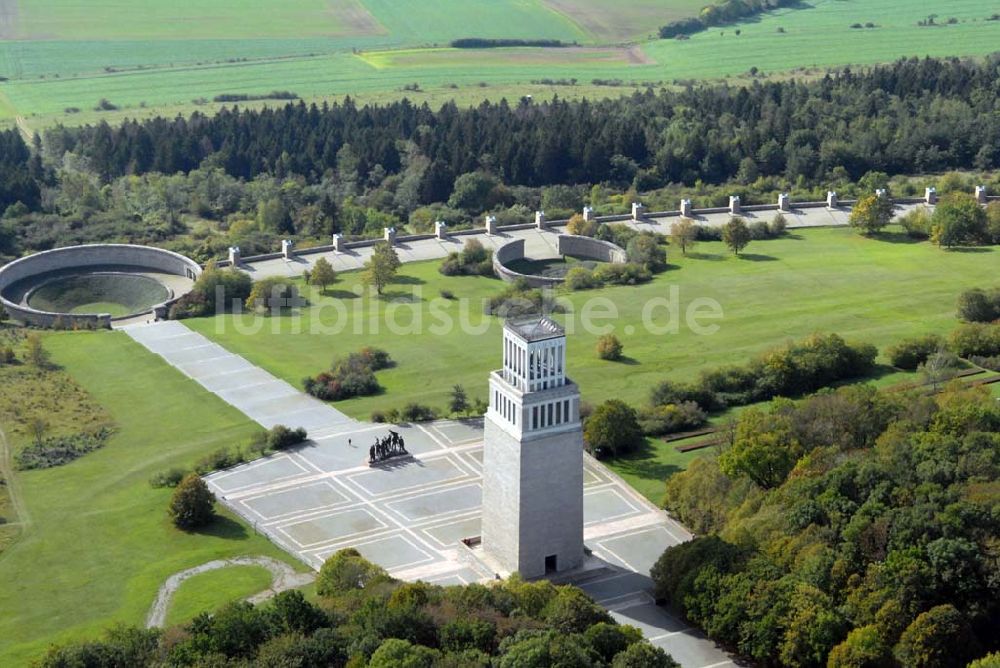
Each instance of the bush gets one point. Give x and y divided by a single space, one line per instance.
58 450
976 339
991 363
708 233
223 458
353 376
581 278
777 226
958 220
169 478
584 228
612 429
917 223
671 418
274 293
617 234
622 274
280 437
346 570
609 348
759 230
414 412
645 251
978 305
519 299
216 290
376 358
473 260
192 504
666 393
911 353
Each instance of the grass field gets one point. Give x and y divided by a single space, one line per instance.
826 280
98 543
210 590
176 72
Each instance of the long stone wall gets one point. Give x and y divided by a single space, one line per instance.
142 258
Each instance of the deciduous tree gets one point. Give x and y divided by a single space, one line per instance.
381 267
736 234
192 504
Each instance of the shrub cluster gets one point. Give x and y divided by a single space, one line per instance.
609 348
274 293
992 363
353 376
520 299
759 230
979 305
911 353
671 418
473 260
411 412
976 339
629 273
216 290
792 370
280 437
59 450
917 223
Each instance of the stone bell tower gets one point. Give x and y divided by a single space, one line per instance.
533 455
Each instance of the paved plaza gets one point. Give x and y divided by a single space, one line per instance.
410 514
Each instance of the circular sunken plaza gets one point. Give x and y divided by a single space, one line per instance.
93 285
511 263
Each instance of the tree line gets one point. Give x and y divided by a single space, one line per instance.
908 117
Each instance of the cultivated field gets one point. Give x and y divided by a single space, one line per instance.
171 69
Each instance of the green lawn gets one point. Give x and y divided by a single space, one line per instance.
99 543
820 280
261 55
647 469
210 590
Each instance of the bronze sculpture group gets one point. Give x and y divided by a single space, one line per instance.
387 448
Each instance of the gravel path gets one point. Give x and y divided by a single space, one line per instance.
285 577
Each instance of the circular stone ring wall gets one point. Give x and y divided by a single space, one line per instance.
155 277
568 244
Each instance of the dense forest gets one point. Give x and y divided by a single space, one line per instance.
913 116
248 177
363 617
851 529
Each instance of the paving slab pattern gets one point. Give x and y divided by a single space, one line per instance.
410 514
259 395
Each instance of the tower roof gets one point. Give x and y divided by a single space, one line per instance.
535 328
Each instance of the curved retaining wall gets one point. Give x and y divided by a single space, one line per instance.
92 255
568 244
592 249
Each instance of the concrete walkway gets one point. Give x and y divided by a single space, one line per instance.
263 398
539 243
285 577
